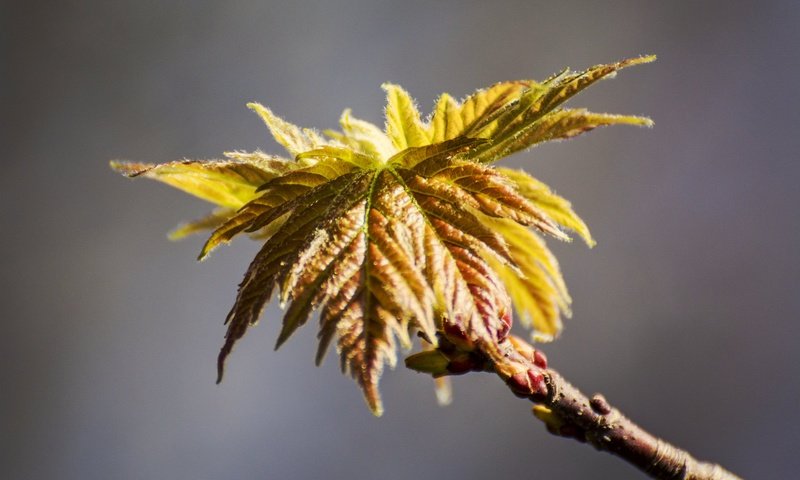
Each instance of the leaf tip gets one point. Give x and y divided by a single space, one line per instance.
377 411
221 365
129 169
555 231
648 58
634 120
373 399
282 337
204 253
583 231
541 337
265 113
641 59
256 107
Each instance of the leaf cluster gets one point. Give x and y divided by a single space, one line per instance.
402 231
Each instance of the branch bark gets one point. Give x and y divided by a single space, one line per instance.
565 410
568 412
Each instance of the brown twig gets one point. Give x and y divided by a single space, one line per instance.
566 411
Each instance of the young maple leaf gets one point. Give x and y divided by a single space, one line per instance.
403 231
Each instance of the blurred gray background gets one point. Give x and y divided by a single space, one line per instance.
686 313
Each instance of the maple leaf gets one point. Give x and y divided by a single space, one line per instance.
403 231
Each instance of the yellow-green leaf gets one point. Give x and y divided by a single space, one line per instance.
225 183
363 137
210 222
537 288
296 140
557 208
403 124
404 232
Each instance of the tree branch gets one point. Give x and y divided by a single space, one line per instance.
565 410
568 412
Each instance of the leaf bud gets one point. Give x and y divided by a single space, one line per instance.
429 361
528 384
456 334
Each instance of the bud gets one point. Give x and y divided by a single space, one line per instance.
528 384
460 364
526 350
539 359
599 404
429 361
455 333
551 420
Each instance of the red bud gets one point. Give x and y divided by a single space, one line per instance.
456 334
539 359
600 405
528 384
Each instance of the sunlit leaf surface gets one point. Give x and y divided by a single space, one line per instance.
403 231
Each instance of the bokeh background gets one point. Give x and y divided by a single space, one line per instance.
686 313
